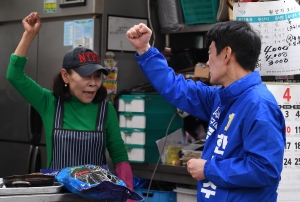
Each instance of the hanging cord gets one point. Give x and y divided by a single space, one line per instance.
150 22
229 5
161 153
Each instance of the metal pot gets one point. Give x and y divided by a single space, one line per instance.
36 180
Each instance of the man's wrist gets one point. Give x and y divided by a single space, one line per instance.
143 50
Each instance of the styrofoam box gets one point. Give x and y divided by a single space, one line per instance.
185 195
135 104
142 153
149 121
136 154
138 136
134 136
150 104
130 120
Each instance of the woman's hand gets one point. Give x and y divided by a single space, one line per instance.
32 24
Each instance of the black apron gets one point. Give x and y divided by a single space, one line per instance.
76 147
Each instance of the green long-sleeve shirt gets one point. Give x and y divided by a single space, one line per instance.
77 115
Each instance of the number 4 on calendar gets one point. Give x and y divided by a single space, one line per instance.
287 94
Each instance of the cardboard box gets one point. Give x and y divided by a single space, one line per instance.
201 70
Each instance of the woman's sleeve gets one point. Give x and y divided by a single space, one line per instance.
124 172
28 88
116 148
114 142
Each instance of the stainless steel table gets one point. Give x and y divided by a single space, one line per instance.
62 197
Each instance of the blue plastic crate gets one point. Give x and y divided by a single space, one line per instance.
200 11
157 196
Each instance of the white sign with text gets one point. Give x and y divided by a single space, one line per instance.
278 24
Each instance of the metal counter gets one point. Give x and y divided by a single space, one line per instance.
167 173
63 197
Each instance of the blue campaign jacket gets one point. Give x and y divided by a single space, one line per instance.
246 134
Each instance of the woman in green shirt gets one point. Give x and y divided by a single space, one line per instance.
79 123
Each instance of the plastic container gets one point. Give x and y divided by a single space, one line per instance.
157 196
142 154
145 103
185 195
200 11
149 121
142 137
133 136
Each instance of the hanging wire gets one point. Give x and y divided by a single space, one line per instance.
150 22
161 153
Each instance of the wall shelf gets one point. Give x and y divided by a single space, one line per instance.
189 28
273 78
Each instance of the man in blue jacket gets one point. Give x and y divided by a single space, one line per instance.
243 154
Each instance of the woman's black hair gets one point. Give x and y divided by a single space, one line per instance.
60 91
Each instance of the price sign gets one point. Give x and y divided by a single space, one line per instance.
278 25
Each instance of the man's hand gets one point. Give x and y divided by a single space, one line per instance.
139 36
196 168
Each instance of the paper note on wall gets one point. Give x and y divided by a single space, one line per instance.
278 24
83 33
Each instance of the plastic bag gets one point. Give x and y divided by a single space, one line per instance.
170 14
94 182
140 182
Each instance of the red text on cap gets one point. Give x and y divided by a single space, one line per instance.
88 57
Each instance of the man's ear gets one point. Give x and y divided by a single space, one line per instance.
228 54
65 75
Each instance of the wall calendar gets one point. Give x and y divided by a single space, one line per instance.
288 99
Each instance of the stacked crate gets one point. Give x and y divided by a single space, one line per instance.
144 119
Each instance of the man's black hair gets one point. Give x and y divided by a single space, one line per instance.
240 37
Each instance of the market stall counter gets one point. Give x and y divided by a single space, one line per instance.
164 172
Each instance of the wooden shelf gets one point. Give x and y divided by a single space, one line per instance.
273 78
